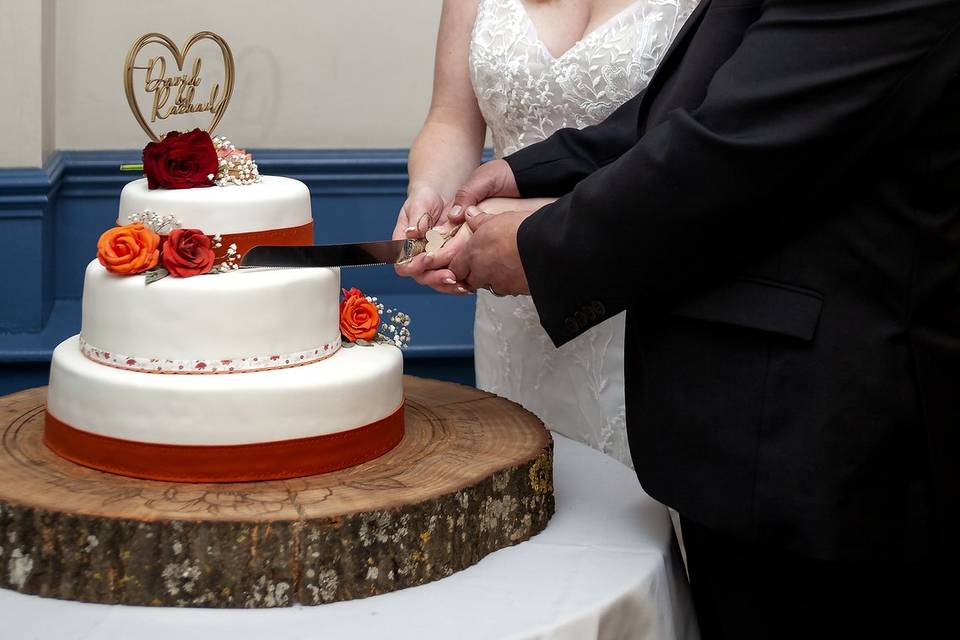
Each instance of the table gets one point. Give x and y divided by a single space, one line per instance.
605 567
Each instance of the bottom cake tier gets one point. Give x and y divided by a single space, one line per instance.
226 427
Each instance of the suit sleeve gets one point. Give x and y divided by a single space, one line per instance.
708 190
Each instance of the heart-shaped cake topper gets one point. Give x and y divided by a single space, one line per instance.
177 93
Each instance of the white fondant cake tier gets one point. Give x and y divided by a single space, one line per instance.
353 388
275 314
274 203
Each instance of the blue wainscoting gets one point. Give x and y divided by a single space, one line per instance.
50 220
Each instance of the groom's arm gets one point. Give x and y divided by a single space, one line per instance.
710 190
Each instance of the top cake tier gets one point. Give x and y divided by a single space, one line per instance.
273 203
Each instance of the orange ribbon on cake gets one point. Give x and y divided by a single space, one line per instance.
289 236
225 463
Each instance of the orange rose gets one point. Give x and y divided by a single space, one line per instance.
132 248
359 318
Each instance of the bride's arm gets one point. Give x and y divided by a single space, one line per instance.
449 145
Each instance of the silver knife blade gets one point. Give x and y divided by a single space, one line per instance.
334 255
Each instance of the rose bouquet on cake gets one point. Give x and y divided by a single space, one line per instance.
195 159
364 321
157 246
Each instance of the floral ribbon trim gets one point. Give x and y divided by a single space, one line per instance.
209 366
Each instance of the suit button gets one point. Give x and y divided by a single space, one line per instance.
571 325
598 308
590 313
581 318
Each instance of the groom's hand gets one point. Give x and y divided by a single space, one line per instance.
490 180
491 259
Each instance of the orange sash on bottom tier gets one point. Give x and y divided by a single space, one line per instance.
225 463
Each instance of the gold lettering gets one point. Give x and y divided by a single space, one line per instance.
150 84
195 76
161 86
160 96
214 91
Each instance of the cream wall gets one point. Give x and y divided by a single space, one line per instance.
27 50
311 73
48 81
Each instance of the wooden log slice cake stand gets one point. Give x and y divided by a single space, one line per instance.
473 474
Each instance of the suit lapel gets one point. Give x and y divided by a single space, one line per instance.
674 51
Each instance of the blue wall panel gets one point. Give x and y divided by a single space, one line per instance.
26 240
50 220
22 291
80 221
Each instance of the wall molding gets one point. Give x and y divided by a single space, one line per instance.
29 190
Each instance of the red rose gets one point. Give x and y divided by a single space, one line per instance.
181 161
359 318
187 252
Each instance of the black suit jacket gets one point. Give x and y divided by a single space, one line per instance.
779 215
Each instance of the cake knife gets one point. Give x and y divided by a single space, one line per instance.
353 254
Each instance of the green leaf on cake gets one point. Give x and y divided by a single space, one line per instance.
156 274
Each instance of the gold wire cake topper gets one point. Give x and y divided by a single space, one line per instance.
181 92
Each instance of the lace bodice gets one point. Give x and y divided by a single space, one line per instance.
525 93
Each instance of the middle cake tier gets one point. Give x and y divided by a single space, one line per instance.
248 320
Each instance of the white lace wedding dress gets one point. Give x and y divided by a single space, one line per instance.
525 94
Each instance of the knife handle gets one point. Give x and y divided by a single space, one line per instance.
411 247
415 246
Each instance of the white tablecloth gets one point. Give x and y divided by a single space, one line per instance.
604 568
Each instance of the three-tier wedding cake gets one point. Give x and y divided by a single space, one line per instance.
188 368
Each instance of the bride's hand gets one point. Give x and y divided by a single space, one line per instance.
423 210
423 207
433 268
429 269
